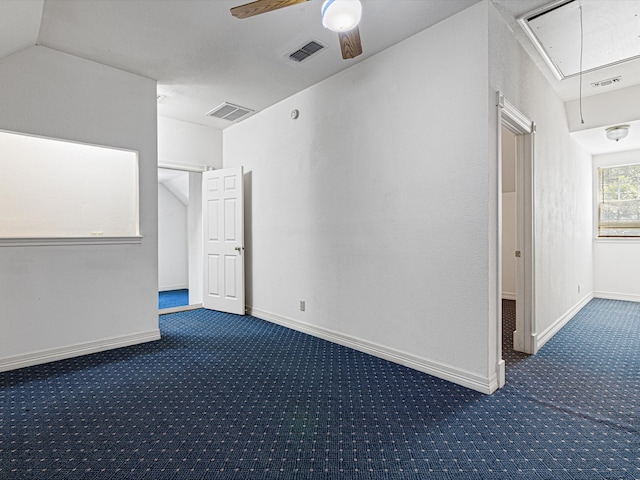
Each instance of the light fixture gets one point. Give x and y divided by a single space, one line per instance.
341 15
617 132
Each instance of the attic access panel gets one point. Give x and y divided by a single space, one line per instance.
610 32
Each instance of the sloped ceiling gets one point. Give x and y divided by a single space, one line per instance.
177 182
202 56
602 32
19 24
590 24
599 33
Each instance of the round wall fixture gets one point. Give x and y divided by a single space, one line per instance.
295 114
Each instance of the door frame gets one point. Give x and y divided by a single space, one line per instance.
195 256
524 337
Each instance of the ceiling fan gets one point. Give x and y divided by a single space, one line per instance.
341 16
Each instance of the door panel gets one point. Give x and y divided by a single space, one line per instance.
223 215
213 284
230 269
213 228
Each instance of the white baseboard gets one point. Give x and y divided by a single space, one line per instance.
173 287
183 308
446 372
627 297
555 327
45 356
509 296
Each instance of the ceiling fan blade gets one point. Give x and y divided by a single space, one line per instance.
350 43
261 6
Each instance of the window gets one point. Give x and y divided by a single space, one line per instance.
619 201
59 189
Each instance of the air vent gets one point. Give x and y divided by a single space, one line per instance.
306 51
607 82
229 111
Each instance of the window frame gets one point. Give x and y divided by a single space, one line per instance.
98 238
597 166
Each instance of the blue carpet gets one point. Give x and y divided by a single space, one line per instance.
173 298
229 397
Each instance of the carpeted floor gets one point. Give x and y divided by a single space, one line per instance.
510 356
228 397
173 298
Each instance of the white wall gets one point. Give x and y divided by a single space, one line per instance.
562 178
194 236
58 301
508 149
188 144
183 144
373 209
616 261
509 246
172 242
605 109
53 188
508 214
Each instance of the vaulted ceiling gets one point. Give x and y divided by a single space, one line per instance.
609 30
201 56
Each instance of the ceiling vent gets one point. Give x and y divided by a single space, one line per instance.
306 51
607 82
229 111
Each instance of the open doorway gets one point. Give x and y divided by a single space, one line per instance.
515 233
179 240
509 243
511 308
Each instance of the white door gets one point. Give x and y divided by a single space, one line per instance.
223 242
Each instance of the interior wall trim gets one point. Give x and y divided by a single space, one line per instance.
182 308
555 327
440 370
627 297
68 241
54 354
168 288
183 166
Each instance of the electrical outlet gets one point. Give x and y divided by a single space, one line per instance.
578 288
302 305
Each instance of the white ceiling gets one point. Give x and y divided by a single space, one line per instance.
19 24
201 56
595 141
590 24
599 30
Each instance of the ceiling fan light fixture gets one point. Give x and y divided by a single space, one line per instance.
618 132
341 15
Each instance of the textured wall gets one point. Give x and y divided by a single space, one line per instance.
56 298
372 206
184 143
616 260
173 247
562 179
